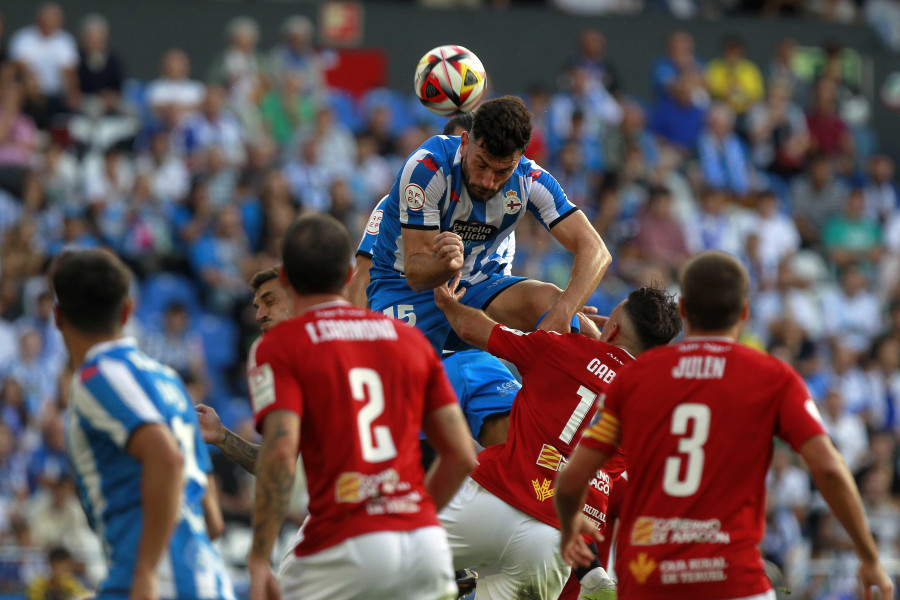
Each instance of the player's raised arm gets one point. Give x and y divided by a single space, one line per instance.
234 447
571 492
835 482
592 258
161 487
471 325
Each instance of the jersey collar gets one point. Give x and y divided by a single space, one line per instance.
708 338
122 342
325 305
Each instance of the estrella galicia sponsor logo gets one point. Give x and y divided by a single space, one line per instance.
474 232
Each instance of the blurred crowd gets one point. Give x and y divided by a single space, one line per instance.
193 178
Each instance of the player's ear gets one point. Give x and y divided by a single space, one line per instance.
745 312
57 316
349 275
127 310
282 277
681 311
463 140
614 331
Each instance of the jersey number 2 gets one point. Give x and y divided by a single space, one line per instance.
673 483
376 442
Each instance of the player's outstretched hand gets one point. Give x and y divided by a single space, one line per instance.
556 321
448 293
592 313
449 249
575 550
211 427
263 584
871 574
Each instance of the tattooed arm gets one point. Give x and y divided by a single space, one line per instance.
234 447
274 478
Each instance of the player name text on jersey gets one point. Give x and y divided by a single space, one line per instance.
327 330
699 367
601 370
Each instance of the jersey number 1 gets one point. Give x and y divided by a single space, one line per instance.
376 442
673 483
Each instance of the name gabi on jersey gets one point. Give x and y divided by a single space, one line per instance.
474 232
699 367
356 330
601 370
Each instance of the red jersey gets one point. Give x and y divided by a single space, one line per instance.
361 383
562 377
696 421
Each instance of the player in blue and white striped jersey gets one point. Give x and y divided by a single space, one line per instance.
133 440
452 209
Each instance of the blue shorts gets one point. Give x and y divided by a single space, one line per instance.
483 385
395 298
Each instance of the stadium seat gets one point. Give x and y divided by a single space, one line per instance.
159 291
345 110
419 114
396 102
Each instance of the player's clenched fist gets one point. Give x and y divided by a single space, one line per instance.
449 249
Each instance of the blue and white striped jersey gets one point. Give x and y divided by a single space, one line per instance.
115 391
429 194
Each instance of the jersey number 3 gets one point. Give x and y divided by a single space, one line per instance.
376 442
692 446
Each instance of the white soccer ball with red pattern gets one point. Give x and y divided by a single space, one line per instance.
450 80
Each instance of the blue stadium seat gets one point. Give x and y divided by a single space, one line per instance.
345 110
396 102
419 114
160 290
220 340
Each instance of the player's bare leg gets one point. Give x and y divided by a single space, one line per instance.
521 305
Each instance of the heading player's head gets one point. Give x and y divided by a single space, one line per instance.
714 293
91 288
647 318
316 253
456 124
270 299
491 150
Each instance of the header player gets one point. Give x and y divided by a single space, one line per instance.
139 462
338 372
503 521
696 421
452 209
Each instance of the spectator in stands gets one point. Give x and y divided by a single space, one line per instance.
109 180
660 237
13 466
883 412
335 144
175 342
787 500
222 261
632 131
48 462
846 429
60 583
584 96
241 69
373 176
49 52
882 192
18 140
723 159
716 226
777 132
733 78
882 511
852 236
573 175
167 173
221 177
56 516
100 69
591 56
146 236
828 132
307 178
772 238
379 125
781 67
815 197
288 108
213 126
174 95
679 76
33 371
193 218
296 53
39 317
854 314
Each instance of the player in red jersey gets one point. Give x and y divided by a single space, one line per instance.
696 420
502 521
350 389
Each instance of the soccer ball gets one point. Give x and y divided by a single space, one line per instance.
450 80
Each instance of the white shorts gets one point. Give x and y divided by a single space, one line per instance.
387 565
516 555
770 595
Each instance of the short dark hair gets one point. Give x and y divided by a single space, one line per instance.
654 315
91 287
58 554
502 126
264 276
714 290
316 254
460 121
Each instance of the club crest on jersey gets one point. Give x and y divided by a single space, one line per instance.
374 224
415 196
511 204
474 232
